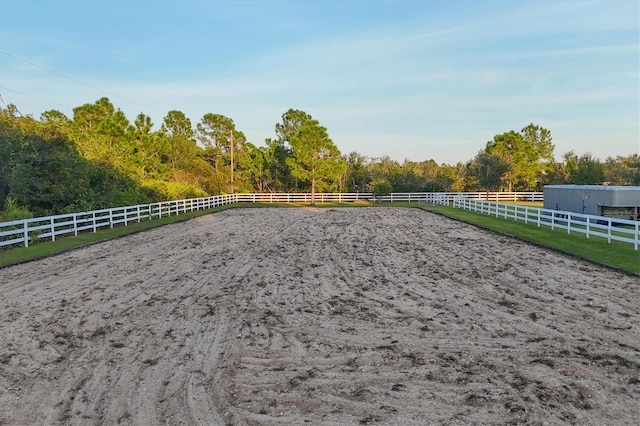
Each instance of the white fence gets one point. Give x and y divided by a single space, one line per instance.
433 197
626 231
26 231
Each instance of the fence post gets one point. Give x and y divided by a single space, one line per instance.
94 222
569 223
75 224
609 232
539 213
26 234
635 243
53 230
588 222
553 218
111 218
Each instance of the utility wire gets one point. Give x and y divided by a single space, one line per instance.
72 79
35 97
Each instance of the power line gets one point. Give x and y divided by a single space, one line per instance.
35 97
74 80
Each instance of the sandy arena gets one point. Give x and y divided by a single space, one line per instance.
318 316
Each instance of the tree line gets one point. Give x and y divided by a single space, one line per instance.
97 158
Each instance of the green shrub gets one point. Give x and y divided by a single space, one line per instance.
13 211
164 190
380 187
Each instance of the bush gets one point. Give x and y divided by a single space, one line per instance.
380 187
165 191
13 211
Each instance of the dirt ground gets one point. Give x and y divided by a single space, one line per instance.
318 316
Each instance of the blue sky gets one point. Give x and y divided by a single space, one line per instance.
414 80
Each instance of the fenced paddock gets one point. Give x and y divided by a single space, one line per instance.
23 232
26 231
317 316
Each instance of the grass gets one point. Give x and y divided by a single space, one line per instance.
617 255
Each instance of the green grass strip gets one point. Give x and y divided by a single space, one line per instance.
617 254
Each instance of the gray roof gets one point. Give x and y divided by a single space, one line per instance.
595 187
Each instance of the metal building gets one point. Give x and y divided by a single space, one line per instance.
622 202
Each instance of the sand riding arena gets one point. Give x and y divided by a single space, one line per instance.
318 316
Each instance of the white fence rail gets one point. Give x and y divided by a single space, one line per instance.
397 196
26 231
49 228
626 231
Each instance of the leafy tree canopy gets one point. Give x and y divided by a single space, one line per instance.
98 158
315 158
